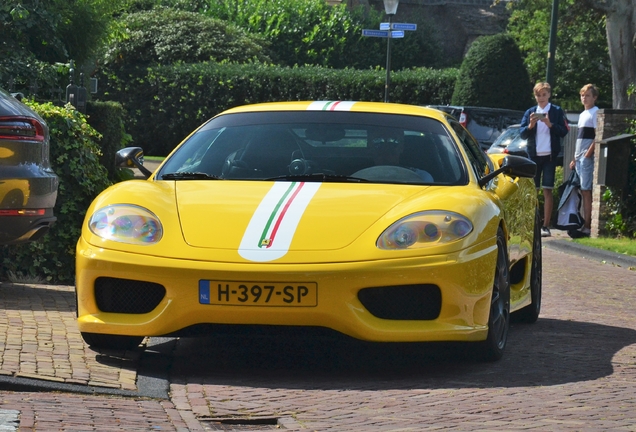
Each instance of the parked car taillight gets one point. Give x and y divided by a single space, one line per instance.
463 119
21 128
22 212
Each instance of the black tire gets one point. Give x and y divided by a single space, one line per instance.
493 347
112 342
530 314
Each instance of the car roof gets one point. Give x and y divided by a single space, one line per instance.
469 108
10 106
352 106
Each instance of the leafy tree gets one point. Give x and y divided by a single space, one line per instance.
421 48
493 75
310 32
39 35
301 31
581 56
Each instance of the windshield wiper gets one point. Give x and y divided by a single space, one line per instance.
320 177
189 176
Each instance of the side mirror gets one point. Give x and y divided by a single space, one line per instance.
132 157
513 166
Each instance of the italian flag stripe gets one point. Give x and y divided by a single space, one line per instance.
275 219
330 106
269 234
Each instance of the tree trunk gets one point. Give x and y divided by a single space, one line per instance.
621 30
621 39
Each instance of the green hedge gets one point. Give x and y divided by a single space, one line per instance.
74 157
107 118
165 103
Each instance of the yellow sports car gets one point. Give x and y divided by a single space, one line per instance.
383 222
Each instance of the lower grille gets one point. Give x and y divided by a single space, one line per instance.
403 302
127 296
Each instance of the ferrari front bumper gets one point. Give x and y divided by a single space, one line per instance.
464 279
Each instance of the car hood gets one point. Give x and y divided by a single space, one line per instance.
267 219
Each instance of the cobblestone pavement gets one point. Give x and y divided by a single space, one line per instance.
39 339
574 370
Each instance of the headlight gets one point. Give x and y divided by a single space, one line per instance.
126 223
425 228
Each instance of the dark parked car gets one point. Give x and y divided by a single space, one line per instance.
510 142
485 124
28 185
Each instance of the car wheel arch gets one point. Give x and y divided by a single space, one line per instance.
492 348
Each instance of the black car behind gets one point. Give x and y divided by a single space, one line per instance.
510 142
28 185
485 124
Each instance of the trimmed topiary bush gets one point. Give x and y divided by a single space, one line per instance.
167 36
493 75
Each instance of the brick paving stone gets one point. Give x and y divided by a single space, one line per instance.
39 339
574 370
59 411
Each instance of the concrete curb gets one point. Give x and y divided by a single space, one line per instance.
18 384
608 257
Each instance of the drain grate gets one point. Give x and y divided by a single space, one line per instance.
236 424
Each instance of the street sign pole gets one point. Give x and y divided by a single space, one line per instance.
387 82
552 43
389 31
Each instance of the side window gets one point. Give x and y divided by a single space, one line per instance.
480 163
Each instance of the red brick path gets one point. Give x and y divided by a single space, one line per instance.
574 370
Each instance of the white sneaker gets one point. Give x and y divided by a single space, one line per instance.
545 232
584 231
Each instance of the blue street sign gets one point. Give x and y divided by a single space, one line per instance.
375 33
398 26
404 26
383 33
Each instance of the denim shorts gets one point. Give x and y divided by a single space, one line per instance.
585 169
546 168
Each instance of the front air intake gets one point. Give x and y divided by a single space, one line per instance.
403 302
127 296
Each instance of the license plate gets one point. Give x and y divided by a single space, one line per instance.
258 293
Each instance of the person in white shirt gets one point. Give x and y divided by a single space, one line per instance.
543 126
584 154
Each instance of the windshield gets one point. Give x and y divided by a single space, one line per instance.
508 136
511 140
319 146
